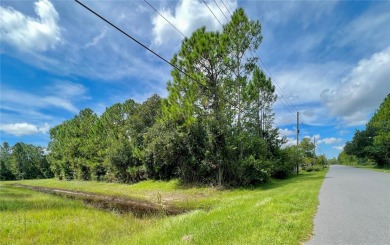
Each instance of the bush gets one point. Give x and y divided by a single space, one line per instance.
253 171
313 168
285 165
316 168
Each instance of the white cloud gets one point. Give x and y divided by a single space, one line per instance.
44 129
286 132
303 84
339 147
289 142
20 129
329 141
362 90
28 33
187 16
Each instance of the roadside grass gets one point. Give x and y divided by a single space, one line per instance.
28 217
374 168
280 212
165 192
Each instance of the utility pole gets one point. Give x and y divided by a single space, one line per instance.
297 140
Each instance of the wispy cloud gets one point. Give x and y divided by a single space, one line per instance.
11 100
370 27
96 39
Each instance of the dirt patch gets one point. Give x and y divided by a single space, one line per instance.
139 208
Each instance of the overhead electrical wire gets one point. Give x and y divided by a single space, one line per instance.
221 10
289 107
212 12
226 8
173 26
244 54
164 18
266 68
150 50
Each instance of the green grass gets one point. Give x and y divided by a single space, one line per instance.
280 212
374 168
28 217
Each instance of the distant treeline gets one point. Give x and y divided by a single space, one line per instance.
23 161
371 145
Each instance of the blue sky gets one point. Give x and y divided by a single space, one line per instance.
331 59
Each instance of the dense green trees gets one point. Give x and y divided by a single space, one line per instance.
215 126
373 143
23 161
109 147
217 119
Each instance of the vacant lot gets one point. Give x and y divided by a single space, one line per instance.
280 212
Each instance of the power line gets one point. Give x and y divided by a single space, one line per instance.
278 88
150 50
264 65
212 12
239 109
221 10
228 5
226 8
245 55
164 18
289 105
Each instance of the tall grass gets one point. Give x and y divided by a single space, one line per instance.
280 212
28 217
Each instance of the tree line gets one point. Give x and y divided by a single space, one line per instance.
215 127
371 145
23 161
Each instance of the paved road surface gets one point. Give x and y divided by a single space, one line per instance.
354 208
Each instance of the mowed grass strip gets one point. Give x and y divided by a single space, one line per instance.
280 212
374 168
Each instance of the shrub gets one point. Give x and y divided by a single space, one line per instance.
253 171
309 169
313 168
286 163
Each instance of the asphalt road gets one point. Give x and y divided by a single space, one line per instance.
354 208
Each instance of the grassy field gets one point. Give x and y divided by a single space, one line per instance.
280 212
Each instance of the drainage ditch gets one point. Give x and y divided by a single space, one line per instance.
139 208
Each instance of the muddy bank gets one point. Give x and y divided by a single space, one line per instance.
139 208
